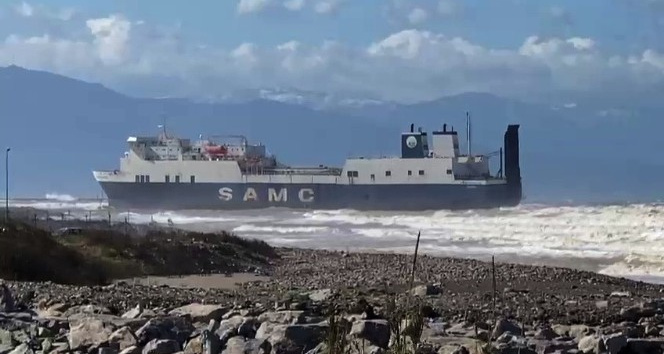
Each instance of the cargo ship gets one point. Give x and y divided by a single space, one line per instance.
165 172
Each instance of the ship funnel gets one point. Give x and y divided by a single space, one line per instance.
512 164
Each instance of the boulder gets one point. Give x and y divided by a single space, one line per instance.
320 295
282 317
614 343
590 345
88 332
292 338
200 312
161 346
7 303
426 290
503 326
178 329
122 339
377 332
239 345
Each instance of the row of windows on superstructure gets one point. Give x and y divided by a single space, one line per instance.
167 179
389 173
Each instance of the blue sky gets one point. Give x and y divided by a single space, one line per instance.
404 50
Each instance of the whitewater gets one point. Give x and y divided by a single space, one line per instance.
621 240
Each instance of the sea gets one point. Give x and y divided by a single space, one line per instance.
625 240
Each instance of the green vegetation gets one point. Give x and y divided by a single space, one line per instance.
28 253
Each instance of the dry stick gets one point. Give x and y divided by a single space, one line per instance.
412 275
493 271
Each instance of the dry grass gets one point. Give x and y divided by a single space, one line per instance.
98 256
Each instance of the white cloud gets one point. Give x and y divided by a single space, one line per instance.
294 5
406 65
249 6
327 6
25 9
111 38
322 7
418 16
417 12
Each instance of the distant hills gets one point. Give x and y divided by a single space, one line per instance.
60 129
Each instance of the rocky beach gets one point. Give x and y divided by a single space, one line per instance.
325 301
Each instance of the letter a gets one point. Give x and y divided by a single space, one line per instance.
250 194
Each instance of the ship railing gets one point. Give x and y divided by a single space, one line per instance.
107 172
477 178
295 172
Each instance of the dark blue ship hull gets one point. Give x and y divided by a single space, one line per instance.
238 196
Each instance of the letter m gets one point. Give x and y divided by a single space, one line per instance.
274 197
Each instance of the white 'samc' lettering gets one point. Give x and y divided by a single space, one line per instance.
274 197
305 195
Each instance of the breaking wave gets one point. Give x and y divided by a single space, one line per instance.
622 240
60 197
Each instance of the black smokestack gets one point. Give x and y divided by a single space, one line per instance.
512 165
412 127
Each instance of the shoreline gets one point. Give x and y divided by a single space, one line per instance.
537 309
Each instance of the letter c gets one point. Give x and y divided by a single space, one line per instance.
309 195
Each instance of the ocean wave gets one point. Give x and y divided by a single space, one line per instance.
612 239
61 197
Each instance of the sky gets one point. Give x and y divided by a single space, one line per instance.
398 50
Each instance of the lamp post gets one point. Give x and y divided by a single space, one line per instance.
7 185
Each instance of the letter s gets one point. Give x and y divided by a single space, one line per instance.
225 194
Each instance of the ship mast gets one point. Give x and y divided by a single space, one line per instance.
468 133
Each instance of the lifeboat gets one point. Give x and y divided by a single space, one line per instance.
213 149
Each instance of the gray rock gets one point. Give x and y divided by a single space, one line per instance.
205 343
621 294
292 338
200 312
7 303
123 338
561 330
7 339
377 332
282 317
161 346
239 345
614 343
22 349
426 290
88 332
320 295
590 345
131 350
503 326
546 333
645 346
107 350
133 313
579 331
449 345
248 328
87 310
178 329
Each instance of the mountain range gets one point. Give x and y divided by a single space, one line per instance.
60 129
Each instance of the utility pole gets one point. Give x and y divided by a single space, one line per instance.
7 185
